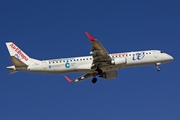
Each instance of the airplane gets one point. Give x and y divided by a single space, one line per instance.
99 64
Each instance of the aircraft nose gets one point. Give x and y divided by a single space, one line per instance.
171 58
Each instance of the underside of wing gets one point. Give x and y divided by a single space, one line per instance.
98 52
101 59
81 78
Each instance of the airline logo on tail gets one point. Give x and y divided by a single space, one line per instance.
21 54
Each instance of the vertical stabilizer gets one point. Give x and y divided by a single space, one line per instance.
17 54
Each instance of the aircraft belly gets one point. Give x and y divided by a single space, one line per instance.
84 67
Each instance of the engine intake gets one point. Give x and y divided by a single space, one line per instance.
118 61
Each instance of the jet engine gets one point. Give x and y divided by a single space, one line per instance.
118 61
109 75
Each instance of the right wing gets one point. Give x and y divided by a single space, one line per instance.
98 52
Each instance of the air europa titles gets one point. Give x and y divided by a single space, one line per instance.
19 52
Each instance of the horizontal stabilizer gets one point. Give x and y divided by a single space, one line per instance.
17 62
11 72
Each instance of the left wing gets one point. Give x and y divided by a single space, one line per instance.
83 77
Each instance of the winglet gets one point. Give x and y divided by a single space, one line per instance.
68 79
90 37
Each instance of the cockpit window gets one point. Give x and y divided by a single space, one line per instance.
162 52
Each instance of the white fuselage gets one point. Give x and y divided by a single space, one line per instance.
84 63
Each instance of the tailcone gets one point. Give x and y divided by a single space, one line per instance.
11 67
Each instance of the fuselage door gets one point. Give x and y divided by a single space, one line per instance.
44 64
155 54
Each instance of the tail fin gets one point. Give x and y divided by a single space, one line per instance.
18 57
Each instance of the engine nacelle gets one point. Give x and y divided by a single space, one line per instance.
109 75
118 61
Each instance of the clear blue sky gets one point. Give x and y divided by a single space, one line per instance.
52 29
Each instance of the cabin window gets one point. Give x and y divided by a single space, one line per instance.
86 58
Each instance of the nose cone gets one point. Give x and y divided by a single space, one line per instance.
171 58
